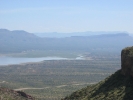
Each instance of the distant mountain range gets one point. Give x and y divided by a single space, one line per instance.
88 33
18 41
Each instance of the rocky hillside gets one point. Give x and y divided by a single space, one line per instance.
118 86
127 61
8 94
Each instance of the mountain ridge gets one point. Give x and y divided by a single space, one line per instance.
19 41
87 33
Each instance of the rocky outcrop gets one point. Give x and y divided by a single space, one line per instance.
9 94
127 61
23 94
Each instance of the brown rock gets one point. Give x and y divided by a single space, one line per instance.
127 61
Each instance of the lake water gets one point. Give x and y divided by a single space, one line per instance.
14 60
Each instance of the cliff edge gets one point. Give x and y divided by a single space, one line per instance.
127 61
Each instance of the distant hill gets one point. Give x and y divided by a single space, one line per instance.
17 34
16 41
8 94
19 41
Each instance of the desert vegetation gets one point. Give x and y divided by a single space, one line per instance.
54 79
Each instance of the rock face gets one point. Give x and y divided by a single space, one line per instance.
127 61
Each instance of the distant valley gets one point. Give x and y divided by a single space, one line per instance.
56 79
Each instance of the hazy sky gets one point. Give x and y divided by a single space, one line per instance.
67 15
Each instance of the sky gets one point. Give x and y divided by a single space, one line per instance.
66 15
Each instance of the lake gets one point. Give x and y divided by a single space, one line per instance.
14 60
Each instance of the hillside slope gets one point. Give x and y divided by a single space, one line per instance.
118 86
115 87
